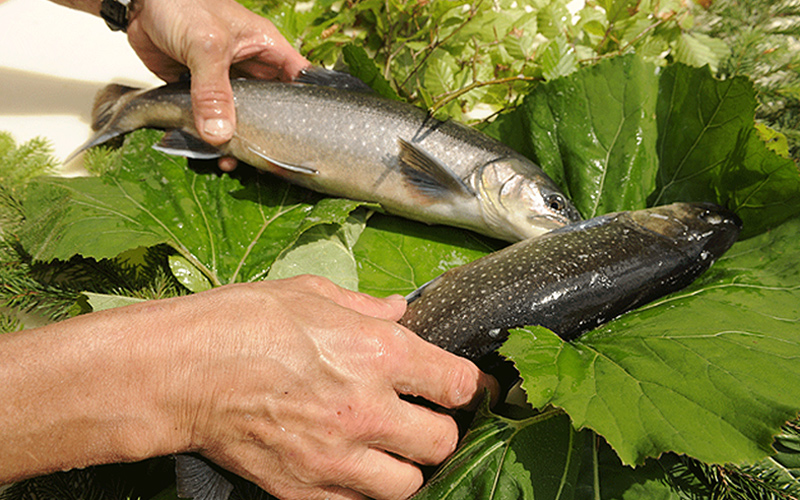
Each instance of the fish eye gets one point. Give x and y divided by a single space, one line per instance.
555 202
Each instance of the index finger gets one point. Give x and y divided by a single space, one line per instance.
441 377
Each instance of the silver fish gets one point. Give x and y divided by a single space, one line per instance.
569 280
572 279
355 144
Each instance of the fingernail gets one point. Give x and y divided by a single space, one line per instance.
218 127
396 296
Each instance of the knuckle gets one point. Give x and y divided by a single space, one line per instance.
210 96
318 284
383 346
357 420
211 41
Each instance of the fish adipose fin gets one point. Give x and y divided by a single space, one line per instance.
198 480
427 174
180 143
298 169
315 75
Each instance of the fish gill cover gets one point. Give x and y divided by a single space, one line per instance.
709 372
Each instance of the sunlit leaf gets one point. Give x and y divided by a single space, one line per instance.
398 256
709 150
324 250
595 132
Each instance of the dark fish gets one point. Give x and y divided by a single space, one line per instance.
569 280
346 142
572 279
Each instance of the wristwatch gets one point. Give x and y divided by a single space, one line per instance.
115 13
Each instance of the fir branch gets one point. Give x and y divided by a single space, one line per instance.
20 164
768 479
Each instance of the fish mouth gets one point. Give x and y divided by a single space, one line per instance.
716 215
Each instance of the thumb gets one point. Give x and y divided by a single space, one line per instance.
212 98
391 308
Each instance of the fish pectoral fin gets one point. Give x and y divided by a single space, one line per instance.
298 169
180 143
196 479
427 174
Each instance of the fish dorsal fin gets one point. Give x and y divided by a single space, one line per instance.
256 150
180 143
315 75
196 479
427 174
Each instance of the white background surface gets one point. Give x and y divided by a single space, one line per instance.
52 62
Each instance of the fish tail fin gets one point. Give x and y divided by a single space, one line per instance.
197 479
108 121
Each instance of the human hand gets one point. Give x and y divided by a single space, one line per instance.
214 40
295 385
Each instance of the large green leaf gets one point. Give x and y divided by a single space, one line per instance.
595 130
534 458
710 371
324 250
709 150
232 230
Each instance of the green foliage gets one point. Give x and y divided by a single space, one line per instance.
21 163
464 57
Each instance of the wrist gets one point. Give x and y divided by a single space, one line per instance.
81 393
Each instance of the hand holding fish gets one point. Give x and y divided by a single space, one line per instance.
292 384
214 40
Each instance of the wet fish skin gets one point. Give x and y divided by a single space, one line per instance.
572 279
354 144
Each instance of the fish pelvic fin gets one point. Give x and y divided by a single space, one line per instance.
180 143
198 480
256 150
427 174
108 104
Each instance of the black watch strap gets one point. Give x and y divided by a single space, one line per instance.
115 13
